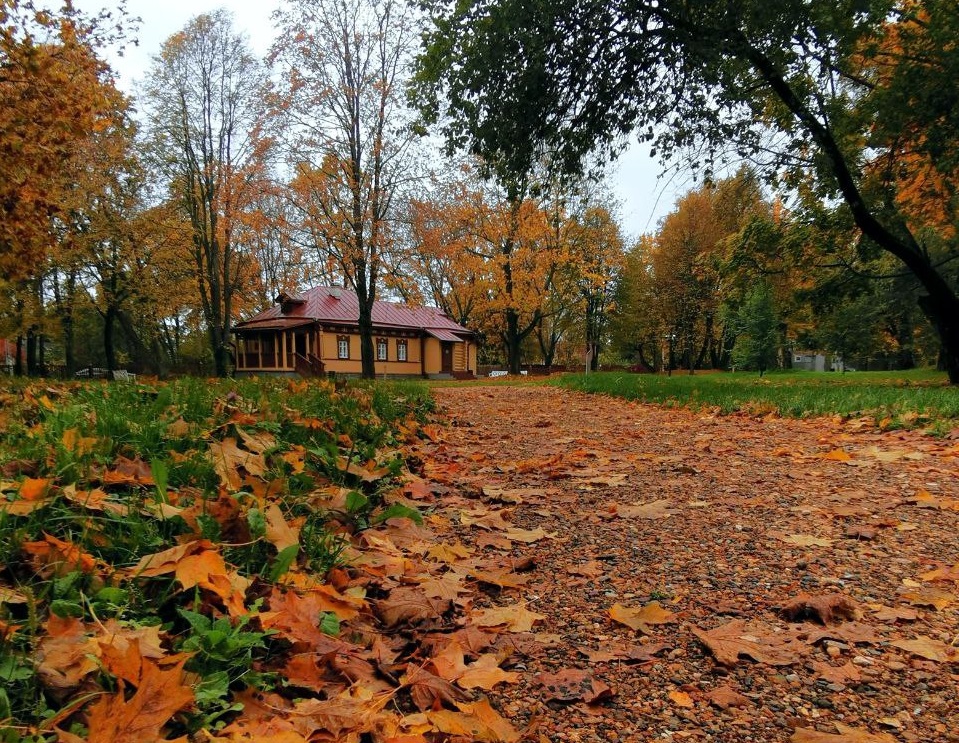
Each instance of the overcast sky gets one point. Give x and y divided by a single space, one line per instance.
644 198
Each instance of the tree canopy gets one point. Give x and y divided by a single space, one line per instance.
796 85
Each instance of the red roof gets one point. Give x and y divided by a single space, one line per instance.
325 304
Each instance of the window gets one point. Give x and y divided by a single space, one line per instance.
401 350
343 347
381 347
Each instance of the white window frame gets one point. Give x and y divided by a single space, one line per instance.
382 345
343 348
401 352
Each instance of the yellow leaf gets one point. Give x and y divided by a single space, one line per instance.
640 618
681 699
516 618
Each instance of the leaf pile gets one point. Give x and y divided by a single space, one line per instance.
238 562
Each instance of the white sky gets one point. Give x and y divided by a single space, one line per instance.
644 198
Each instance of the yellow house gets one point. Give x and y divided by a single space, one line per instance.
317 333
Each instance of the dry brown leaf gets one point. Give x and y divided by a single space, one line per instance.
806 540
160 694
516 618
730 641
846 734
477 721
410 605
574 685
641 618
837 674
725 697
929 648
946 574
485 676
278 532
825 608
228 459
657 509
429 691
895 614
681 699
929 597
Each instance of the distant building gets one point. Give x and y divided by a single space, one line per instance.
317 332
809 361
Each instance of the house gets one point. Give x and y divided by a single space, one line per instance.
317 332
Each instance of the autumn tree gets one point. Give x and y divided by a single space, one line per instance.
799 86
55 92
344 67
203 96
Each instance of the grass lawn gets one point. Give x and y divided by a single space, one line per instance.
920 398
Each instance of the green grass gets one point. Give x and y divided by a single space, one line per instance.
72 437
920 398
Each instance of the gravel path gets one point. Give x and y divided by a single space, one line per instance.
724 522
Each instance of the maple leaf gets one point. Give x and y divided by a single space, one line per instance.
824 608
725 697
66 653
837 674
528 536
928 648
640 619
54 556
278 532
129 472
32 489
805 540
485 673
895 614
160 694
930 597
574 685
429 691
516 618
736 638
410 605
228 459
657 509
297 617
681 699
846 734
478 721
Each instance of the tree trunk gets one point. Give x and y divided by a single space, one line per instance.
512 342
18 359
367 359
32 352
109 332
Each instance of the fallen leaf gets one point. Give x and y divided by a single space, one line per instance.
846 734
806 540
725 697
837 455
895 614
641 618
681 699
824 608
929 648
516 618
728 642
410 605
574 685
160 694
657 509
930 597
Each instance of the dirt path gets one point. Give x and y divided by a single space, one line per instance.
724 521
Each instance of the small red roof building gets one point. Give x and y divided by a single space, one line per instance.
319 330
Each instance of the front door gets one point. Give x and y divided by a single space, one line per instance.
446 357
